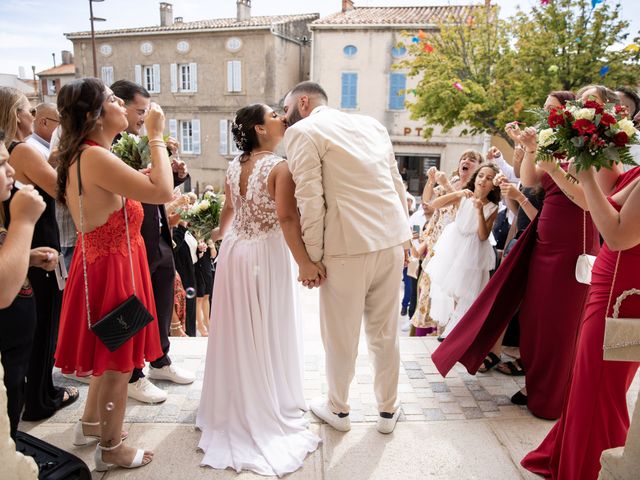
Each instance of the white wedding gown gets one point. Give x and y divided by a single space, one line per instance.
252 405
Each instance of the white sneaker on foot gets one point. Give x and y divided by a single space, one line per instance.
320 407
387 421
145 391
172 373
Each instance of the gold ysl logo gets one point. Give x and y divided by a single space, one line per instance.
122 323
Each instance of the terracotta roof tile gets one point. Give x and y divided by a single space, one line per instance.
65 69
396 16
222 23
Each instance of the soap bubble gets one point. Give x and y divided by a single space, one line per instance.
109 406
191 292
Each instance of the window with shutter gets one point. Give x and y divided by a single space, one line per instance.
186 136
349 97
107 75
223 149
397 84
234 76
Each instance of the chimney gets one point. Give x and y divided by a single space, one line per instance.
244 10
67 57
347 5
178 20
166 14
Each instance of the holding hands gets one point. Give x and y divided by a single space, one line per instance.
312 274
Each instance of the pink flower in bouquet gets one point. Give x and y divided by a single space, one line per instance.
620 139
584 126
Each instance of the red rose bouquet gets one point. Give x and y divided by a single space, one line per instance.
587 132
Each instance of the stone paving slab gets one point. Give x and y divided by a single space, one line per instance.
458 427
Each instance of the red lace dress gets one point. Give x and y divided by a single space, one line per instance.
109 278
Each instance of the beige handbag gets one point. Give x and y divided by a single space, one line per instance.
585 262
621 335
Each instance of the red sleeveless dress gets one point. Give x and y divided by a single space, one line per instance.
79 351
595 415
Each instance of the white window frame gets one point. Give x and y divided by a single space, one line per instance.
189 131
234 76
106 73
149 77
184 77
51 86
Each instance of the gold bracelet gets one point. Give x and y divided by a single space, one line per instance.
523 201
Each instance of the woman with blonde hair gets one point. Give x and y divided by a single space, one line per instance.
42 397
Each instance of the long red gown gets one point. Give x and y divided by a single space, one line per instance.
109 279
595 415
538 276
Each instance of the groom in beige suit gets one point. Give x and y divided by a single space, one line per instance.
354 221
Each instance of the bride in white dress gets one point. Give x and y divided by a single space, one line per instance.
252 405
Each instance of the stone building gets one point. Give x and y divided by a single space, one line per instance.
53 79
202 72
352 56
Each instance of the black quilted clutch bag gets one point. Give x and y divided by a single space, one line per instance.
122 323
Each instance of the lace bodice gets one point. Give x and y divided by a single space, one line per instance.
254 214
110 237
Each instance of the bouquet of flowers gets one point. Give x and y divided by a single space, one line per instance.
587 132
134 150
204 215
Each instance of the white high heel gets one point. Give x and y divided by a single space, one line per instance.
101 466
80 439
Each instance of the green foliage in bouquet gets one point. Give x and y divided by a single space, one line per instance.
204 215
590 134
134 150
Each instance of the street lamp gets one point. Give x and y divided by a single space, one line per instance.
93 35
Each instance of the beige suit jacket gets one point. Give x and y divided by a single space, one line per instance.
348 188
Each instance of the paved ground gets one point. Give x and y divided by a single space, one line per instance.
461 426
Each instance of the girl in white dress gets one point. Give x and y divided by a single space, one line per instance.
252 405
463 255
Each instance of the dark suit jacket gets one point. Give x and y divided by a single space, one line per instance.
158 240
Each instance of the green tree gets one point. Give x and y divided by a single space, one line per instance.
506 66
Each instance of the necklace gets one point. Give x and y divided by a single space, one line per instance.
262 151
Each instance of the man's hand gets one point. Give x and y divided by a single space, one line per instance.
179 167
173 145
43 257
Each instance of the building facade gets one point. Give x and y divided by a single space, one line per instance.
202 72
53 79
353 53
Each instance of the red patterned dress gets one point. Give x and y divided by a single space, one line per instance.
109 279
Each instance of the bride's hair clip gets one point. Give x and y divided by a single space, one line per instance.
239 134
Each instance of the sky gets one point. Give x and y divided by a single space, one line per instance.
31 30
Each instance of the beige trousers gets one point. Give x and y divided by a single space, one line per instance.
362 286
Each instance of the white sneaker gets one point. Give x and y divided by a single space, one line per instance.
406 326
387 421
172 373
145 391
320 407
74 377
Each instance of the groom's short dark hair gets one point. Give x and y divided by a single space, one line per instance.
310 88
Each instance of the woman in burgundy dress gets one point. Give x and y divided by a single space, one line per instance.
595 415
91 116
539 276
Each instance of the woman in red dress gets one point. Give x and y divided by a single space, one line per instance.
595 416
539 277
91 116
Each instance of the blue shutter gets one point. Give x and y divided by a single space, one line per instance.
397 82
349 98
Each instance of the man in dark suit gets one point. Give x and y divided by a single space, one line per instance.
157 239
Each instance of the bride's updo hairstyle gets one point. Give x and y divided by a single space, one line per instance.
243 128
80 106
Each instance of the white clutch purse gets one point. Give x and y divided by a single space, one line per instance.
585 262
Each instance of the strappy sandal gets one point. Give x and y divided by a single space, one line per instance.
177 330
101 466
80 439
514 368
489 362
72 394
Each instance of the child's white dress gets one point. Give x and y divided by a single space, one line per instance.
460 267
